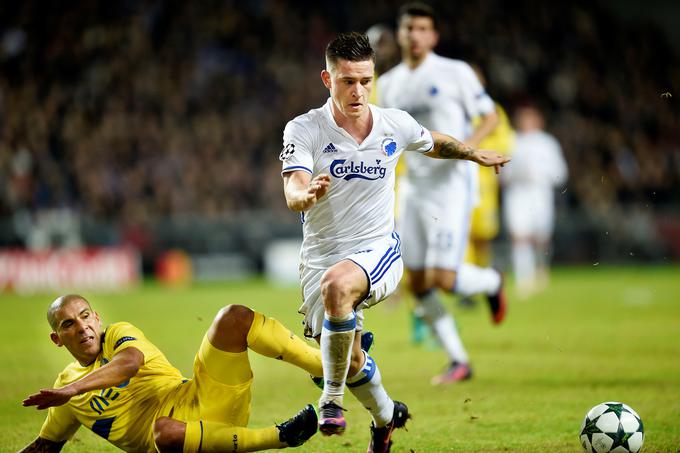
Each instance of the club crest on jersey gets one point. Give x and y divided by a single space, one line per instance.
342 169
388 146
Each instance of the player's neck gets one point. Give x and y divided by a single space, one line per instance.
359 127
413 61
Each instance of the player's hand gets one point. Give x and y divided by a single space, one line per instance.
302 192
317 188
487 158
320 184
50 397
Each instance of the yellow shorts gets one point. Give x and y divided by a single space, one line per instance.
219 390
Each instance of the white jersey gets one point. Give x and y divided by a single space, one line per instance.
443 95
537 167
359 205
537 161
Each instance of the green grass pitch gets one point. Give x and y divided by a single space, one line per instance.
597 334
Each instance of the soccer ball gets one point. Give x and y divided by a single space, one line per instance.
612 427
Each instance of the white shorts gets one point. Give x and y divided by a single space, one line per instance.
435 225
380 260
529 212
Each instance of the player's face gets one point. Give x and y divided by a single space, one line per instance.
350 84
416 35
79 330
528 119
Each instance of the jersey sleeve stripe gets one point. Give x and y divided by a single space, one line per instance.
296 167
430 148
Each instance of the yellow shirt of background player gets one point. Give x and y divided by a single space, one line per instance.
122 414
501 139
485 223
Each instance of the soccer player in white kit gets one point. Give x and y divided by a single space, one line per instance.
338 172
538 168
445 95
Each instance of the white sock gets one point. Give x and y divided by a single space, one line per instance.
471 279
337 337
524 263
443 326
367 387
446 331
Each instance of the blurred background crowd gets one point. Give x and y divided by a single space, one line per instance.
118 119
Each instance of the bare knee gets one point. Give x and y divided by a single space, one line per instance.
233 316
229 330
337 292
168 434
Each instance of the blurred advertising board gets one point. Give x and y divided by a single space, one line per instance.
84 269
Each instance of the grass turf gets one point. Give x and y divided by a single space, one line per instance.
597 334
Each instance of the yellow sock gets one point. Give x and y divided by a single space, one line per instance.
269 337
207 437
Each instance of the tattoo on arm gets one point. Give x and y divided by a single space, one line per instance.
447 147
454 150
41 445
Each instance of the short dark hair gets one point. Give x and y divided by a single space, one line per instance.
351 46
62 302
417 9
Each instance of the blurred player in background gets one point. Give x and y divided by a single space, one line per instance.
485 223
384 43
442 94
123 388
387 55
338 172
538 168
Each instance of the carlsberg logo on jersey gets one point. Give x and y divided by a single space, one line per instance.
340 168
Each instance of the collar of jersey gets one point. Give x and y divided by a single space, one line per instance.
328 113
428 58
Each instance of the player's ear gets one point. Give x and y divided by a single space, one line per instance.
55 339
326 78
435 39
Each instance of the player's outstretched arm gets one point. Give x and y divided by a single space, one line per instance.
41 445
447 147
122 367
302 191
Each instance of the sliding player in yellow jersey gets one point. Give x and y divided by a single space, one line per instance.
123 388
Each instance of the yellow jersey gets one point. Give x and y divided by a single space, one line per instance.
485 224
502 138
124 414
